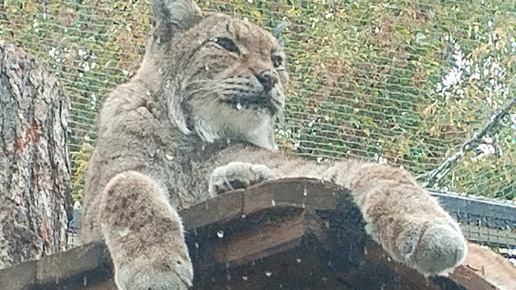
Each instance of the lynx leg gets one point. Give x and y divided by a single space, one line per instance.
144 235
235 175
429 240
407 221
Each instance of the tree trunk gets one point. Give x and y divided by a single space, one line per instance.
34 161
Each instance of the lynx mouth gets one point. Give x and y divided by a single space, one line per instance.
254 103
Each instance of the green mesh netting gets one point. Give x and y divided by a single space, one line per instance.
401 82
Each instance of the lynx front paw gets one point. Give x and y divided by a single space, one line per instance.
144 235
430 248
434 250
407 221
237 175
175 274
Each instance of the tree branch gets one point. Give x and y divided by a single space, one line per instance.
437 174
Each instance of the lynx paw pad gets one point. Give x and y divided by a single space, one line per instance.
236 175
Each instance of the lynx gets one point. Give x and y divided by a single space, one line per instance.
196 120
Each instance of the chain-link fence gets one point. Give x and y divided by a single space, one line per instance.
421 84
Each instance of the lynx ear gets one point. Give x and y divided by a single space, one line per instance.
173 16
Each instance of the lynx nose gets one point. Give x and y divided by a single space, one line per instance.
267 78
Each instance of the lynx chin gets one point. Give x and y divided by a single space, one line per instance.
196 119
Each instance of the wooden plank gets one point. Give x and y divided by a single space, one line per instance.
470 280
221 208
272 238
298 192
310 237
21 276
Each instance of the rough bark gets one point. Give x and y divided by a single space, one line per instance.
34 160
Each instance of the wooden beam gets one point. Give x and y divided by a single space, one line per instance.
292 233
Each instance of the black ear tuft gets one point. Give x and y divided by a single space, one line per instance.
282 25
170 17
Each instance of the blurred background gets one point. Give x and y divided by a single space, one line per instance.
406 83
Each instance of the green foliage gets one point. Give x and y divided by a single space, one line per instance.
367 76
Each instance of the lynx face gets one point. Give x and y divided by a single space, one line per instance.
229 82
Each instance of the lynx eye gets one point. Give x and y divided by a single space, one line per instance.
277 61
225 43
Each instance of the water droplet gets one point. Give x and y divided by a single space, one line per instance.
123 232
268 274
220 234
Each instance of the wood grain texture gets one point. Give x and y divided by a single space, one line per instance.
243 240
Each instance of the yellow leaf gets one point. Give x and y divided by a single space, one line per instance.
367 132
430 110
255 12
433 62
55 6
31 8
11 9
404 31
433 130
369 121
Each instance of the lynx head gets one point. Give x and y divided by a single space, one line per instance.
221 77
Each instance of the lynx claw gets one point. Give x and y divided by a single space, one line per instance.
236 175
